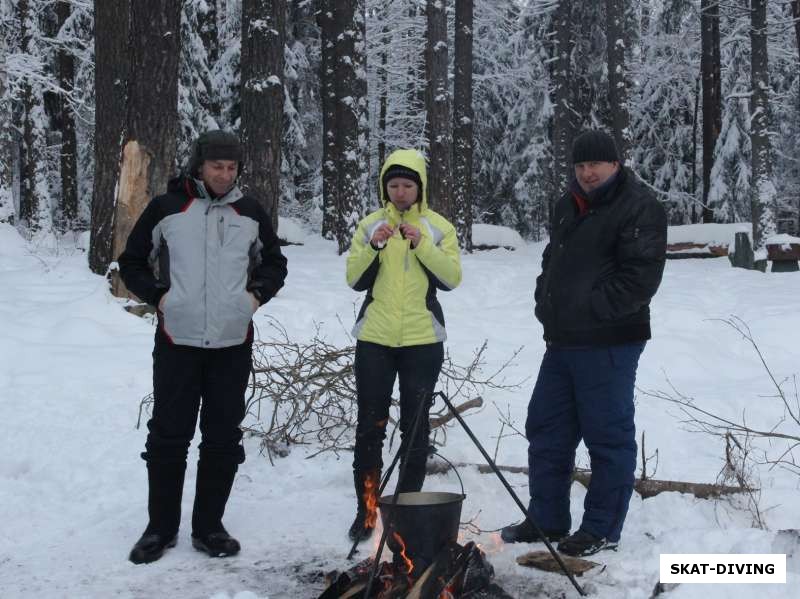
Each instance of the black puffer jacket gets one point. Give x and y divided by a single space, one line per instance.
601 268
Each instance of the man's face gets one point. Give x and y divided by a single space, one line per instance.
591 175
402 192
219 175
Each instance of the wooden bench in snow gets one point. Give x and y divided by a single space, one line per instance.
702 240
688 249
784 252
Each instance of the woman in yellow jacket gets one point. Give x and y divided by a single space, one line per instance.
400 255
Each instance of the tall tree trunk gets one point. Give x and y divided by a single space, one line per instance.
616 11
383 101
796 15
69 143
8 147
415 91
112 63
463 117
34 208
351 109
694 217
437 104
327 78
710 66
263 41
564 128
149 139
761 185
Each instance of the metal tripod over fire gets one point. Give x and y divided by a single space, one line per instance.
494 468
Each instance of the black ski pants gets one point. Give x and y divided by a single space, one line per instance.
184 375
376 368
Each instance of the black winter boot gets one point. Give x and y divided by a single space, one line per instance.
581 543
217 544
524 532
150 547
165 488
214 483
366 484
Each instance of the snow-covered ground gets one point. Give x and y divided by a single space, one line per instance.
74 366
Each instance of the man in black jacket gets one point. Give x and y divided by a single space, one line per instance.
207 257
601 268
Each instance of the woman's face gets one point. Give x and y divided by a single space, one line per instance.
402 192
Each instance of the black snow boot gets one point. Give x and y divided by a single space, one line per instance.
364 522
524 532
150 547
214 483
217 544
165 487
581 543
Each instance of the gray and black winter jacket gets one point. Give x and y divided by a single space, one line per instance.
205 254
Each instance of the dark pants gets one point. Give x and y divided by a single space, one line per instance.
188 381
182 375
583 393
376 367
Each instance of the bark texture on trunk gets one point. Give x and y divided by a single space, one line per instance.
112 63
263 41
437 103
150 129
712 93
617 82
761 185
463 129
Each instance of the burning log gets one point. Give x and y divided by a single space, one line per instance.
457 571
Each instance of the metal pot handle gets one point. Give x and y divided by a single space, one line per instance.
453 467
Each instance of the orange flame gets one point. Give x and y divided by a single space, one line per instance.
409 564
447 593
371 498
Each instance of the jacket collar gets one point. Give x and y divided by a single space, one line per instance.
195 188
605 194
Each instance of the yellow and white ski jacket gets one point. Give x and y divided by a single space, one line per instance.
401 308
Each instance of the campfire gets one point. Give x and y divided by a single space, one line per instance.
421 530
456 572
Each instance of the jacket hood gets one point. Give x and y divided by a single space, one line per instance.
414 160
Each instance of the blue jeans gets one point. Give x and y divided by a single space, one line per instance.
583 393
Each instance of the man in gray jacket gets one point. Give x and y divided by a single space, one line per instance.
207 257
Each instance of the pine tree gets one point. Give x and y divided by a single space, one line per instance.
262 64
463 117
197 97
763 192
437 104
729 189
35 211
8 145
663 109
112 24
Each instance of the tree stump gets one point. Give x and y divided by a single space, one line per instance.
742 256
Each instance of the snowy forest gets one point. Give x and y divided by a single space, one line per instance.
702 97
